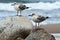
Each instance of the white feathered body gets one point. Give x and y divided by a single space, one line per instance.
38 18
34 18
16 7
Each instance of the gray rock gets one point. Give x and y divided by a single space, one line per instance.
40 34
16 26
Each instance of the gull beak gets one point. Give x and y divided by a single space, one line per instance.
13 4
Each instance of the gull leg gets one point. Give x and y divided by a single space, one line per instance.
35 24
20 13
17 13
38 24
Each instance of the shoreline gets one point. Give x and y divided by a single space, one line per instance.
52 28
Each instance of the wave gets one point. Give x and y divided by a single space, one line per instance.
46 9
57 35
45 6
40 5
28 1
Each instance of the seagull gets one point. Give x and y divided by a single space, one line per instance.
19 7
37 18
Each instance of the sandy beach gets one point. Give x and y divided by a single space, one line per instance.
52 28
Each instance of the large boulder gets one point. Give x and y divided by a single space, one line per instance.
40 34
15 27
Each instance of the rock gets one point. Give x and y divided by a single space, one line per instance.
52 37
16 26
40 34
19 38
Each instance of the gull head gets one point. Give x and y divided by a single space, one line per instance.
32 14
13 4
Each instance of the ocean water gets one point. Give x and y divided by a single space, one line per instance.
56 35
28 1
45 9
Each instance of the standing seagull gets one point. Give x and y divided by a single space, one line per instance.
19 7
38 18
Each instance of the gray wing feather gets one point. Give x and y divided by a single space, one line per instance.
41 18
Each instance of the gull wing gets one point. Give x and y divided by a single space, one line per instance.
41 18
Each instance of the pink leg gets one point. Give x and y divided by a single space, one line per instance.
38 24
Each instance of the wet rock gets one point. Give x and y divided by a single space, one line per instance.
40 34
16 26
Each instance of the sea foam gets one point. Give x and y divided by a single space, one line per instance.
40 5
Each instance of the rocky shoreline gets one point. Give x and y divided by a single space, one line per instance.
21 28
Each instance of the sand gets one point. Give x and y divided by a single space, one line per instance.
52 28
